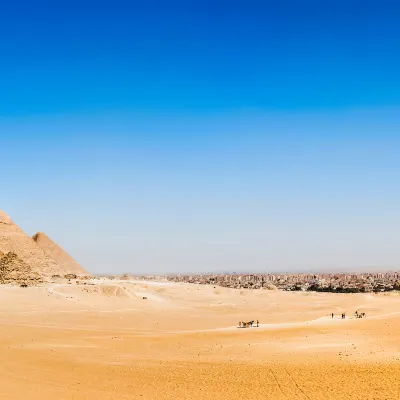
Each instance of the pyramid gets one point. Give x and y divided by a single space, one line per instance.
15 271
15 240
66 263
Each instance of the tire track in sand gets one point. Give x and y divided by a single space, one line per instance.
295 383
277 382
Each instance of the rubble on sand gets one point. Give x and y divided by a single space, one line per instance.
14 270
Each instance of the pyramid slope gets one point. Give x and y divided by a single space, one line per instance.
66 263
15 240
13 270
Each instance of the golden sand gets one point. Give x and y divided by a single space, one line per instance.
105 341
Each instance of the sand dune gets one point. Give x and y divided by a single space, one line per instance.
104 341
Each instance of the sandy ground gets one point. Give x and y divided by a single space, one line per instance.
104 341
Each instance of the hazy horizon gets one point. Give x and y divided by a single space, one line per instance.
204 137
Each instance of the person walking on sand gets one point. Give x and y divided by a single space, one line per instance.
257 323
332 315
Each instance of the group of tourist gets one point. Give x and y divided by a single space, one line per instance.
356 315
250 324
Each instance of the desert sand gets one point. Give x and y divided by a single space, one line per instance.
102 340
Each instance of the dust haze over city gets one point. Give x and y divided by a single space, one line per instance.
199 200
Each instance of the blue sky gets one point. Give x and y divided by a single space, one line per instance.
204 136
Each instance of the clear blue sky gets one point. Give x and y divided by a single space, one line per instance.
204 135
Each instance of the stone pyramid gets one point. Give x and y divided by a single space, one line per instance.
15 271
66 263
13 239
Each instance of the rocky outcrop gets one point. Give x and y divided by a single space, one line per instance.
67 265
15 271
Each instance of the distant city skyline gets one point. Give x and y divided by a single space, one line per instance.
323 282
165 137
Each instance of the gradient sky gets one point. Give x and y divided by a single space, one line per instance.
191 136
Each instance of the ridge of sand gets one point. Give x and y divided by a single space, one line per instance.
14 239
67 264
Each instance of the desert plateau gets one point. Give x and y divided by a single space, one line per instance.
148 340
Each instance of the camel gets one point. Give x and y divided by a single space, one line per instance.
248 324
